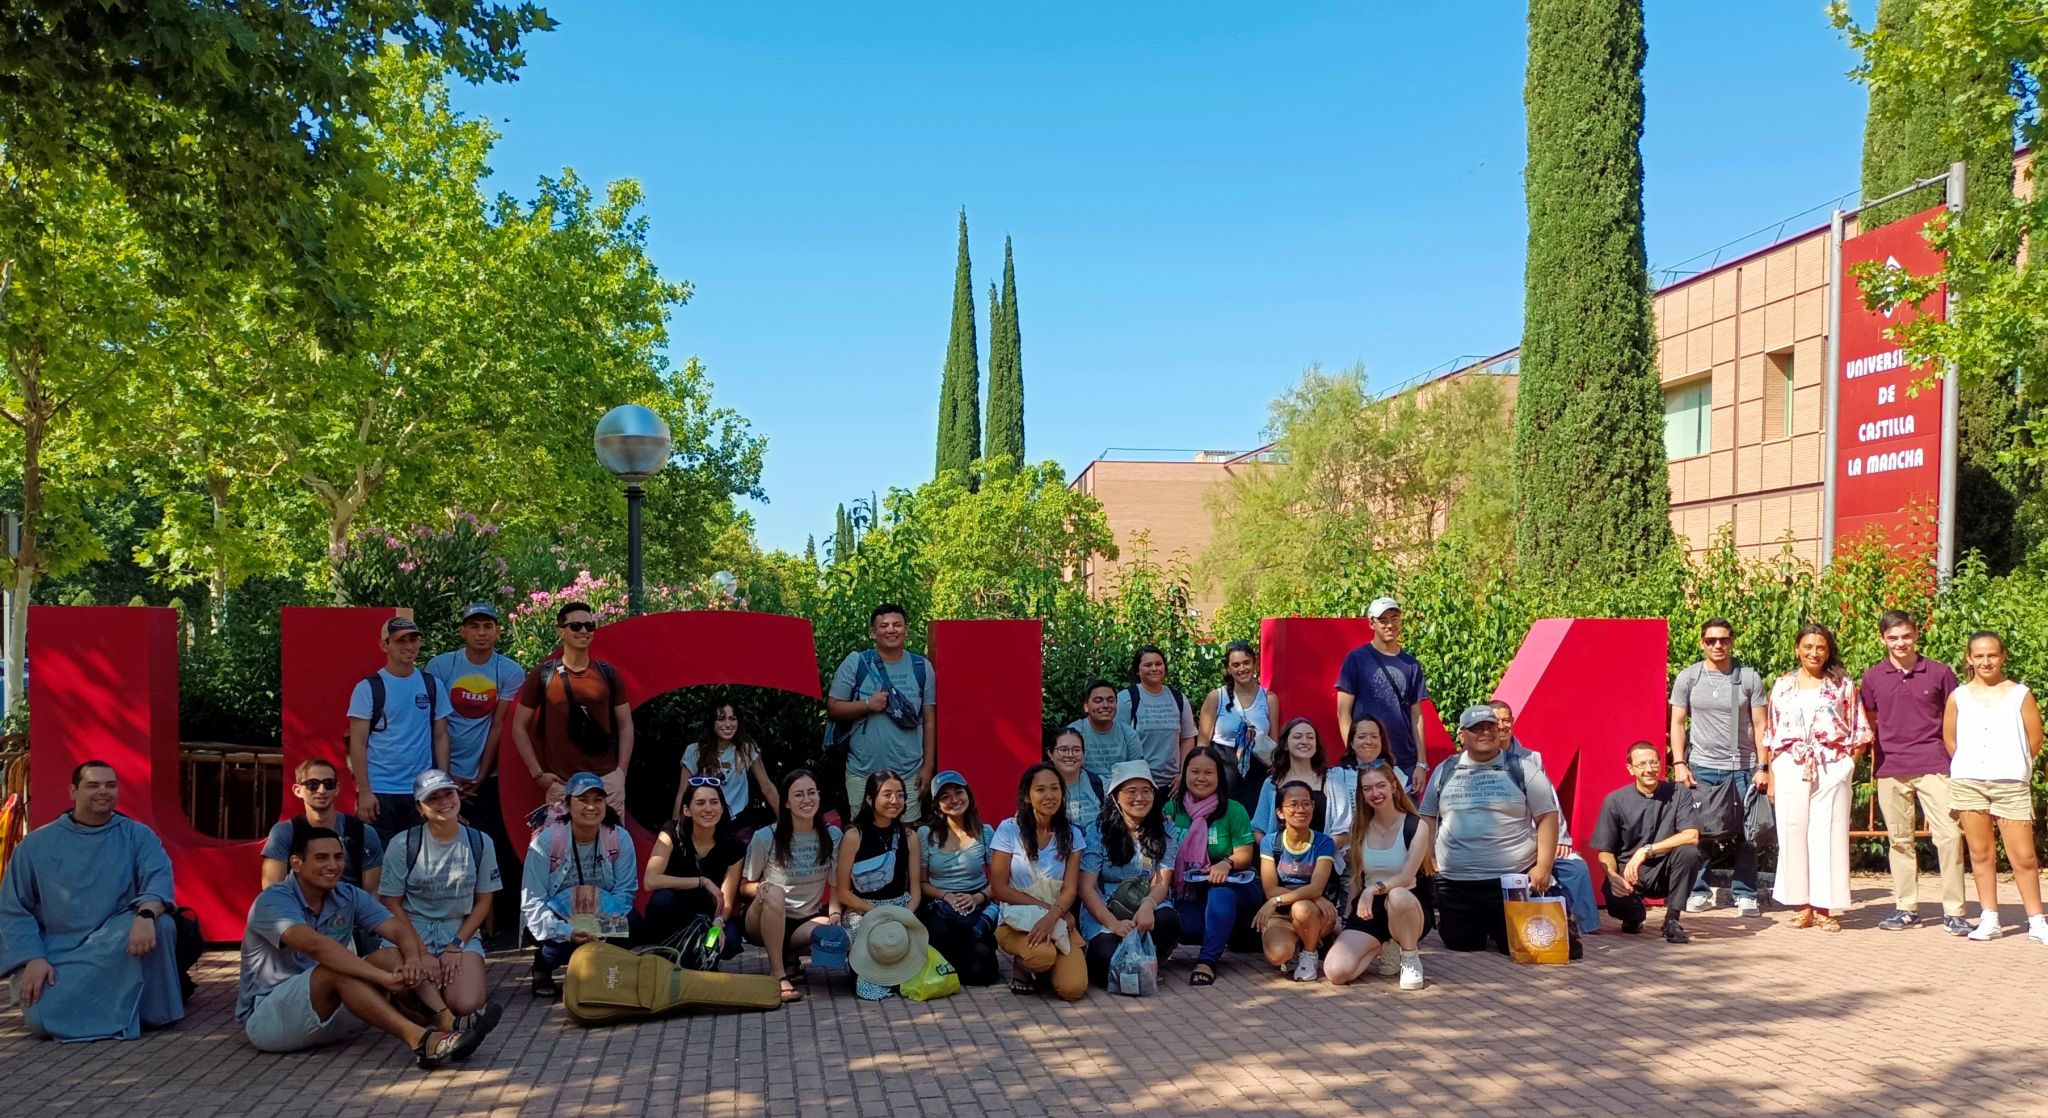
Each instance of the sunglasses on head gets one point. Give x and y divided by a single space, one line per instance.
1377 763
580 626
320 784
707 782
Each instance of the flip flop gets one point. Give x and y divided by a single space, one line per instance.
790 993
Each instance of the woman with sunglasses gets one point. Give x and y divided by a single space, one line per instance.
1217 884
1237 715
694 870
726 750
1127 871
957 908
787 868
1390 846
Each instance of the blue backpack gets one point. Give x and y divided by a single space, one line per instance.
839 735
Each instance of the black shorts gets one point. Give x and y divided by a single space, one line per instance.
1376 926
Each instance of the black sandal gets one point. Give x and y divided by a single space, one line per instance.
1022 984
481 1023
1204 975
545 986
426 1044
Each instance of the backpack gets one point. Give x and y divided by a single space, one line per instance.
1132 691
583 729
415 838
378 723
351 844
1442 775
558 843
839 735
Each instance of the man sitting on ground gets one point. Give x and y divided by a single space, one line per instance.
1649 845
84 918
302 987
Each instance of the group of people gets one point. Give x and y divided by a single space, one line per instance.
1213 824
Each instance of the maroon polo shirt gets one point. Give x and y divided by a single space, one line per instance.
1905 709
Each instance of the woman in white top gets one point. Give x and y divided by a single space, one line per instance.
1390 845
1817 730
1035 873
1237 714
725 750
1992 729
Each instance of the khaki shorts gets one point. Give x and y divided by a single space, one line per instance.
2004 799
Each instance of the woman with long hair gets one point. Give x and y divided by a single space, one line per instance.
1390 844
1992 729
1817 730
786 871
1236 715
694 869
1333 792
880 858
1069 753
1159 713
727 751
1035 871
1127 871
1218 886
957 908
1368 742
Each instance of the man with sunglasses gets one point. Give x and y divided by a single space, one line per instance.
316 782
397 729
1718 713
585 715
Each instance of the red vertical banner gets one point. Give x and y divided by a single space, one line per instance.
324 651
990 693
1889 438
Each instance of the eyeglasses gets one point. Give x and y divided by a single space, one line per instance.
327 785
580 626
707 782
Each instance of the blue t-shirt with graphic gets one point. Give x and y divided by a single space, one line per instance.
1296 868
474 692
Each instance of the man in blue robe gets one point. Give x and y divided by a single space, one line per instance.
85 921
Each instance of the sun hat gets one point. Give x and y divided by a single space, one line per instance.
585 782
431 781
1477 715
888 949
1123 772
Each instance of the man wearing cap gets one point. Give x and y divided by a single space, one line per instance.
482 684
1494 816
1382 682
397 729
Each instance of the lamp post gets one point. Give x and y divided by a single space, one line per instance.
633 443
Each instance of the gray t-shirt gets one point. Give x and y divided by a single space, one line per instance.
804 879
1161 724
1718 732
443 882
267 963
1485 825
877 742
1105 751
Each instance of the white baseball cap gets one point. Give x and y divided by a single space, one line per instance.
1381 605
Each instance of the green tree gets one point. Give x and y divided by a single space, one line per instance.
1005 369
960 386
1592 494
1913 132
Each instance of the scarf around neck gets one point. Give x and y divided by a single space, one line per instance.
1193 858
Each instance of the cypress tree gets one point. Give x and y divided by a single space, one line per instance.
1006 369
811 551
1912 133
960 387
842 535
1593 499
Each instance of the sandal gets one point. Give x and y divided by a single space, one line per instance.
1204 975
545 986
1805 919
481 1023
429 1054
1022 984
1828 923
789 992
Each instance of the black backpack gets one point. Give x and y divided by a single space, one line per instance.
351 844
378 723
1180 701
593 740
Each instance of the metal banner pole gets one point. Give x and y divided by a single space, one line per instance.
1951 411
1830 387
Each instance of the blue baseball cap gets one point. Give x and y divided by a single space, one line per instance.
947 778
479 609
585 782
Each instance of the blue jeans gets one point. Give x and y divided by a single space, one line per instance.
1744 885
1220 911
1576 879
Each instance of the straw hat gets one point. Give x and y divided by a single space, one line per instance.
889 946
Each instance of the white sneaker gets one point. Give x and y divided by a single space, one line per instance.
2037 930
1747 906
1699 902
1411 971
1305 967
1389 962
1987 929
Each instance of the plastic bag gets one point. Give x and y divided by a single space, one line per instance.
1134 969
1761 827
1538 931
938 979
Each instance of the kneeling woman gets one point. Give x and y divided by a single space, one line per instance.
1298 868
1390 859
583 866
1127 871
787 868
442 877
1218 886
695 868
1036 873
956 909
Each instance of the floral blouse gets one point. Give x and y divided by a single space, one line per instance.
1816 725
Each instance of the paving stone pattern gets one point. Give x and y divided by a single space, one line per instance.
1752 1018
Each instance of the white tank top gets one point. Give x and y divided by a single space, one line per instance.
1383 863
1991 738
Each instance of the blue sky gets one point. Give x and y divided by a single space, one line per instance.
1205 198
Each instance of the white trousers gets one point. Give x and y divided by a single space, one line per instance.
1813 833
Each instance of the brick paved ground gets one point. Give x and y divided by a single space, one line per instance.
1752 1018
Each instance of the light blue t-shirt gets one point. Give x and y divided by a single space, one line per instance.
444 880
957 869
267 963
1161 723
1084 803
404 748
1104 751
1107 876
1296 868
877 742
474 692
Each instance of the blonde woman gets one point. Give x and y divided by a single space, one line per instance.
1390 857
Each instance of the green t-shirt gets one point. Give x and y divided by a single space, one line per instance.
1226 833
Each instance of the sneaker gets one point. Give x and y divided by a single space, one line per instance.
1699 902
1411 971
1987 929
1389 962
1748 906
1305 967
1673 933
2037 930
1955 926
1898 920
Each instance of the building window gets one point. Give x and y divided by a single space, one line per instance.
1689 419
1778 395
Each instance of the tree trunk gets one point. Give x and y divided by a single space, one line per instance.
28 561
217 579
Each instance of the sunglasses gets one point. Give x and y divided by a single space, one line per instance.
1377 763
707 782
328 784
581 626
1717 640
